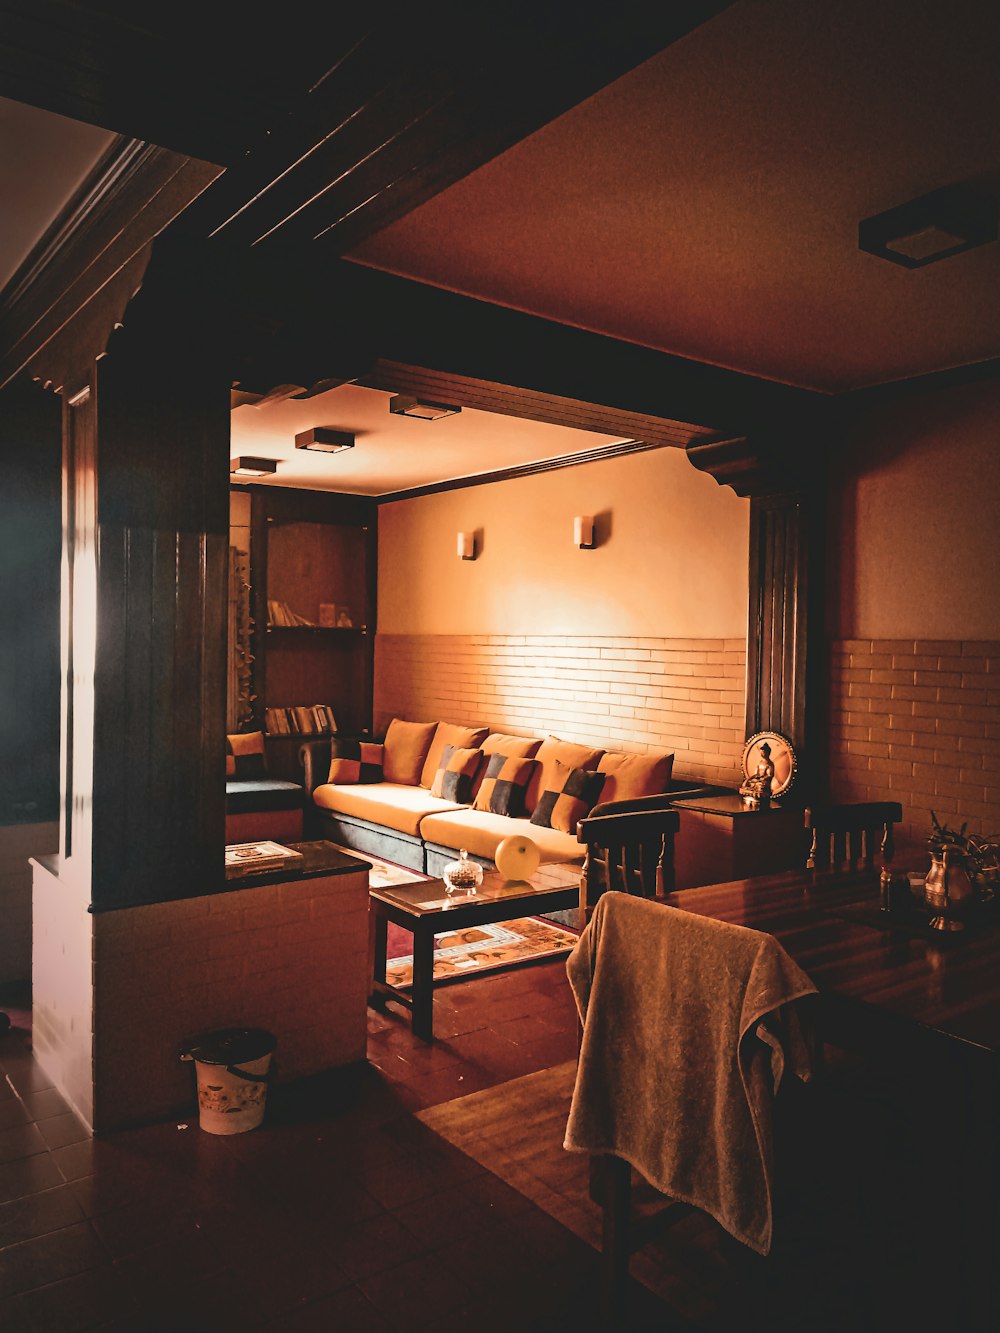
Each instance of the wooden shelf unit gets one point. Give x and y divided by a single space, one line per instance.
307 549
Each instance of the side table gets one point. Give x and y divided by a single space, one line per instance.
720 839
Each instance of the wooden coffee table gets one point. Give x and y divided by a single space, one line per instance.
425 909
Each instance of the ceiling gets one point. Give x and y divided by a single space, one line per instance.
694 190
707 203
394 453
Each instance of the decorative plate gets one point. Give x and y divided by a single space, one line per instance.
782 757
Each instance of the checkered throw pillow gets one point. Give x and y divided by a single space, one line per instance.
456 772
577 794
354 761
504 785
246 756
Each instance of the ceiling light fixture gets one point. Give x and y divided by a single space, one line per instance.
407 405
324 440
252 467
937 225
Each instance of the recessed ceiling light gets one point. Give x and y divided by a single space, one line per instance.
252 467
945 222
324 440
406 405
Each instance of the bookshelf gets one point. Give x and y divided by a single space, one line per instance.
313 579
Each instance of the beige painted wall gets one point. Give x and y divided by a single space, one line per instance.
916 520
672 560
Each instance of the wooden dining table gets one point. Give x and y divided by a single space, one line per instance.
914 1001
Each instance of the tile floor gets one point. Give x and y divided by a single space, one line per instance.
341 1212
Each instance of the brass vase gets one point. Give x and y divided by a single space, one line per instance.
948 890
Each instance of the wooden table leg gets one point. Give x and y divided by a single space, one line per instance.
423 984
378 940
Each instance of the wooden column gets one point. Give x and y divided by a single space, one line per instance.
145 510
784 620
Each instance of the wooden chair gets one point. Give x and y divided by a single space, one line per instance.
847 837
633 1211
630 852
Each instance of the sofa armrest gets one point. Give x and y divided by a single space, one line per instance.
314 756
662 801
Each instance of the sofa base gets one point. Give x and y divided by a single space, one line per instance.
264 825
357 835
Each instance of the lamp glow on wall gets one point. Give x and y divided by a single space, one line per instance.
583 532
467 545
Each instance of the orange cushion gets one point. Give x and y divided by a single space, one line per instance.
504 783
630 776
551 750
246 756
354 761
572 799
456 773
518 747
446 733
405 749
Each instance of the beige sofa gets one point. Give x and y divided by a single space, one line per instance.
404 822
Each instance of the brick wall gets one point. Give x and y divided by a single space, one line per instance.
291 958
918 721
638 694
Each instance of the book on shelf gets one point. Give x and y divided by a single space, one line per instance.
281 614
252 858
300 720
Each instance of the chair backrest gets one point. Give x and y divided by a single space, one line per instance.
847 837
631 853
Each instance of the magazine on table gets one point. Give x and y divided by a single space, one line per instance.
250 858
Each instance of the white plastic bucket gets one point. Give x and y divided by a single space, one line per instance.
232 1069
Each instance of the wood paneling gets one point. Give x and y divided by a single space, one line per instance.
30 444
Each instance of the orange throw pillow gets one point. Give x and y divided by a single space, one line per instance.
552 751
446 733
630 776
405 749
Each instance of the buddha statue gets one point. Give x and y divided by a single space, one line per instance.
756 790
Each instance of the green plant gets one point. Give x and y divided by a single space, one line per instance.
945 836
980 855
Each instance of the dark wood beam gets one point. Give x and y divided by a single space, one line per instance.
297 323
431 93
333 120
133 193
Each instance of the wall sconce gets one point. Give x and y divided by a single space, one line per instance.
467 545
324 440
407 405
252 467
583 532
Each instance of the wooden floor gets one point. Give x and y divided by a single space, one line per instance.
428 1191
840 1264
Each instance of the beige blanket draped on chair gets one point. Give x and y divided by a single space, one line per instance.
688 1027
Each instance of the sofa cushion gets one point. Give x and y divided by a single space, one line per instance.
446 733
246 756
355 761
399 806
504 784
244 795
518 747
551 751
406 746
574 795
480 833
457 771
632 776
